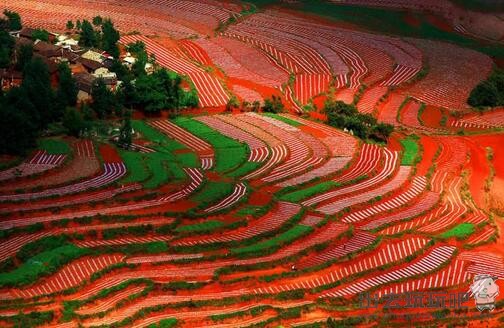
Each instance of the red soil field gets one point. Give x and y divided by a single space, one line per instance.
342 215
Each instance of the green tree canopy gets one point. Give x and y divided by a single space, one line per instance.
489 93
88 36
7 44
40 34
273 105
14 20
364 126
103 99
125 132
97 20
24 56
110 38
73 122
67 86
37 84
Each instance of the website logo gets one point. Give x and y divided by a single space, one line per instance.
485 291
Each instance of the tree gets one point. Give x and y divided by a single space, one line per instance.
138 67
136 47
18 132
88 35
110 38
73 122
40 34
190 98
18 122
97 20
121 70
273 105
125 132
382 131
67 86
103 99
24 56
256 105
78 24
489 93
232 103
7 44
150 93
18 98
37 84
69 25
485 94
14 20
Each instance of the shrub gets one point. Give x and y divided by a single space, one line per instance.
273 105
489 93
364 126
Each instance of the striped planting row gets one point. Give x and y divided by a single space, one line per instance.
247 95
289 95
162 258
453 275
429 262
207 162
482 258
453 73
416 188
81 199
11 246
488 120
390 253
298 150
239 191
413 224
393 184
332 166
122 241
42 157
367 161
453 204
357 242
112 172
182 136
401 74
195 52
70 276
269 222
238 134
232 67
484 235
110 301
196 179
278 154
419 207
306 86
40 162
85 148
370 99
338 142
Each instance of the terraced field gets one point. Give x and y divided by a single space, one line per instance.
239 218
